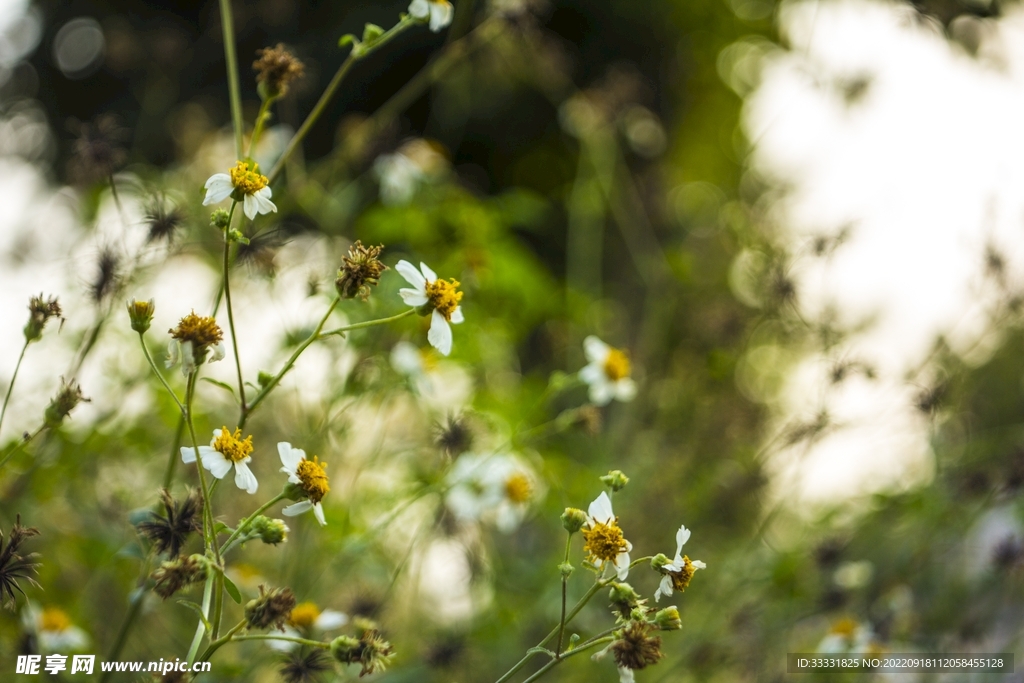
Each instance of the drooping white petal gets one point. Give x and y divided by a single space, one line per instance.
441 13
188 359
318 512
601 509
625 389
215 462
682 536
419 8
412 297
697 564
331 619
626 675
411 275
457 317
601 392
290 457
664 588
218 352
188 454
218 188
250 206
173 353
297 508
440 333
622 562
428 273
595 350
263 200
592 373
244 478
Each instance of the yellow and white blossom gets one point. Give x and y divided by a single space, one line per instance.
305 620
244 185
225 451
309 475
54 630
607 372
604 541
494 488
680 570
440 12
440 297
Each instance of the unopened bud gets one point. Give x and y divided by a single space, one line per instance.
141 314
574 640
668 619
623 594
573 519
344 647
659 561
220 218
615 480
271 531
565 569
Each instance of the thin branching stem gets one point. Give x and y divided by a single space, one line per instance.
234 89
159 376
231 314
583 647
21 444
236 534
368 323
565 581
268 636
14 377
220 642
261 119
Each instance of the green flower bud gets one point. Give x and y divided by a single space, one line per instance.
140 313
220 218
573 519
565 569
615 480
623 594
270 531
659 561
345 649
668 619
295 492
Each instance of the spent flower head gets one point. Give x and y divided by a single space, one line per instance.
371 651
163 221
98 151
305 665
107 279
636 648
40 311
68 396
432 296
244 183
270 609
140 313
193 340
174 575
360 270
275 69
170 531
14 566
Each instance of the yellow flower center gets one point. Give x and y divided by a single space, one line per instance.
518 488
54 620
313 476
232 446
604 541
304 615
444 296
246 181
681 578
616 365
844 627
201 331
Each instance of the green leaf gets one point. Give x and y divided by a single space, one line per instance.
232 589
348 39
217 383
221 527
198 610
371 32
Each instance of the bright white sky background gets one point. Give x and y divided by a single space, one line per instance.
927 167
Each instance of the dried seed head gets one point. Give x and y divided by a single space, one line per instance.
163 222
40 311
201 332
370 650
169 532
14 566
108 275
61 405
174 575
454 436
270 609
305 665
360 270
635 648
275 69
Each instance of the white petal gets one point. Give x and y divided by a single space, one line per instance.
441 14
173 353
263 201
290 457
217 180
215 462
697 564
626 675
625 389
457 316
188 359
419 8
250 206
218 352
331 619
318 512
592 374
429 274
664 588
406 359
682 536
188 454
601 509
440 333
595 350
218 188
244 478
413 297
297 508
601 392
411 275
622 565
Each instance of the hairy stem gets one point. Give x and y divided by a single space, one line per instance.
234 89
14 377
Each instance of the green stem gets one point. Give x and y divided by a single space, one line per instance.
159 375
197 639
565 581
291 639
368 323
228 544
172 462
10 388
287 366
217 644
21 444
597 640
234 89
231 314
261 118
358 52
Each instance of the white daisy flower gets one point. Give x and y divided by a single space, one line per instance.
604 539
440 12
244 185
439 296
607 372
680 570
309 475
226 450
496 488
306 620
54 629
